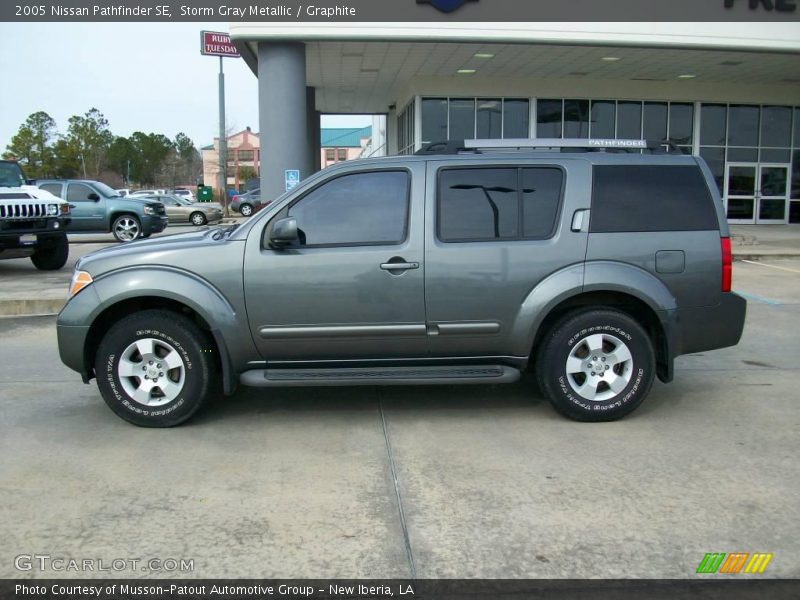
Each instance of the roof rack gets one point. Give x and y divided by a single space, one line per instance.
476 146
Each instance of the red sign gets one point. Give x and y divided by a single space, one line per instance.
216 43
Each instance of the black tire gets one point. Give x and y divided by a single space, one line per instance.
168 330
126 228
245 210
571 394
51 253
198 219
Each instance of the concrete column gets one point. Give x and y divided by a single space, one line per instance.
314 127
283 120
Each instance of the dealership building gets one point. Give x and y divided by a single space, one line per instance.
729 92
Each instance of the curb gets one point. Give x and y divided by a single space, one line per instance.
30 307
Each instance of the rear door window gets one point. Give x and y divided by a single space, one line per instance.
642 198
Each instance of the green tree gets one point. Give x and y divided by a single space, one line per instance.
120 157
150 150
32 145
90 138
66 161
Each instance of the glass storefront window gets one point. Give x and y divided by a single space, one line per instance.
713 124
742 154
715 157
796 175
549 117
629 120
434 120
576 119
681 123
776 126
655 121
490 119
604 117
743 125
516 118
462 119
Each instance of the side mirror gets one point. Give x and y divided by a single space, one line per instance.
284 233
93 196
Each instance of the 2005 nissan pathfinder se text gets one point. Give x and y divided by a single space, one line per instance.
590 264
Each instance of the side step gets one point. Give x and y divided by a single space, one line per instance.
437 375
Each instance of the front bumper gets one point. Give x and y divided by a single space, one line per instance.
154 224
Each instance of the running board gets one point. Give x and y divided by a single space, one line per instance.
436 375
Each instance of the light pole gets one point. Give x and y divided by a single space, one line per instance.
223 142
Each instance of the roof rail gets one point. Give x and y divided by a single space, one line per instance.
475 146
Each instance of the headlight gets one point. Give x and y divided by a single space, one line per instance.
80 279
149 210
52 210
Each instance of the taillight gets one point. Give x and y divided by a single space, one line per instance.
727 264
235 198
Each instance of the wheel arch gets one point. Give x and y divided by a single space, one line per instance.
130 290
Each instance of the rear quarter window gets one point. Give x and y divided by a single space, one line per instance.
628 198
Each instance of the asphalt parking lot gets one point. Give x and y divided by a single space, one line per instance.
429 482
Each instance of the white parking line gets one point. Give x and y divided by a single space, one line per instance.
752 262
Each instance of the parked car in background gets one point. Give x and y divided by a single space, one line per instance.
98 208
123 191
32 221
185 193
248 203
180 210
147 192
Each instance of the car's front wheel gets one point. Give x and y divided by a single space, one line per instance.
596 365
246 210
126 228
198 219
155 368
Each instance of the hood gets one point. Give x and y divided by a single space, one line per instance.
144 251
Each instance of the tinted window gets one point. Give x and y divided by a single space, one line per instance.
604 116
10 175
490 119
776 126
548 118
681 123
541 194
655 121
78 192
651 198
516 119
629 120
743 126
715 158
53 188
487 204
462 119
576 118
362 208
713 124
478 204
434 120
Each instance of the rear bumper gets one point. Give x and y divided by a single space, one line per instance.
711 327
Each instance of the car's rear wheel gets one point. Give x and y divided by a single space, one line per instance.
51 253
126 228
155 368
596 365
246 210
198 218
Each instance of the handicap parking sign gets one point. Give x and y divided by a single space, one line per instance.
292 178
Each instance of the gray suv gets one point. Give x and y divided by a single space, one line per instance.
593 269
98 208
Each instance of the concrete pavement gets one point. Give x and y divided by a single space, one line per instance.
491 481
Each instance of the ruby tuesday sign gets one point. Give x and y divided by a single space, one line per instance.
215 43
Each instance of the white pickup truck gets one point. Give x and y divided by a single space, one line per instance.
32 221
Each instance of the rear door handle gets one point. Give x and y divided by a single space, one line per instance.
399 266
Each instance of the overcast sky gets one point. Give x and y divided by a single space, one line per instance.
146 77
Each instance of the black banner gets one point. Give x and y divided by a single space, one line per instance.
512 11
376 589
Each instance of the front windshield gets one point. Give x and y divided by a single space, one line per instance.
105 190
11 175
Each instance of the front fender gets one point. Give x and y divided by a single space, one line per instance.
229 328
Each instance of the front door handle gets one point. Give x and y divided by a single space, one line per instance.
404 266
399 264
